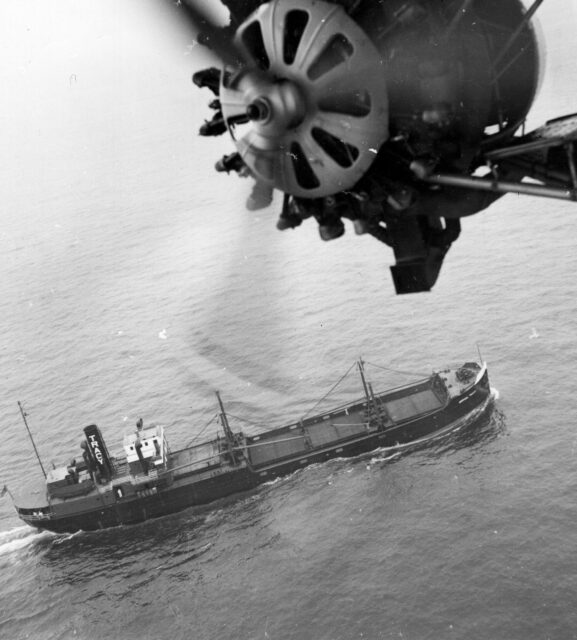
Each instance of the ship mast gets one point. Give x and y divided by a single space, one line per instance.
23 413
372 406
227 430
361 366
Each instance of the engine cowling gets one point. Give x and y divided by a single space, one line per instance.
316 99
329 88
461 76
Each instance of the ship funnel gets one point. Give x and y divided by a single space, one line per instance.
98 453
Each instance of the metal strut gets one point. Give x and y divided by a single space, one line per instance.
459 15
526 18
501 186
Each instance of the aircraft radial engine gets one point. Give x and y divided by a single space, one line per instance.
387 114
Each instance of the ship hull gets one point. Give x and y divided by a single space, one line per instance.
105 509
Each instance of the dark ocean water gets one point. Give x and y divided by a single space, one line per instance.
133 283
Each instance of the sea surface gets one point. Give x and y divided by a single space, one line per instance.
133 283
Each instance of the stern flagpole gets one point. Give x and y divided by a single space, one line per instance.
23 413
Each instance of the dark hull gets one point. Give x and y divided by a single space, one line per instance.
189 490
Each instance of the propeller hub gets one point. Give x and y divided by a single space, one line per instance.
258 110
278 110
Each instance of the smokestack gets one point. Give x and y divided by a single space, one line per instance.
98 451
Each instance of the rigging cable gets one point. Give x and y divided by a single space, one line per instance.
214 417
254 424
405 373
329 391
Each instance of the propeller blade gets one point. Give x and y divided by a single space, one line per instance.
217 39
231 325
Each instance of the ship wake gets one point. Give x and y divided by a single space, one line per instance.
19 538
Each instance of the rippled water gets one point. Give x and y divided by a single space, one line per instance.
134 284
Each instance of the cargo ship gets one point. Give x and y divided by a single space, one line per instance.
149 480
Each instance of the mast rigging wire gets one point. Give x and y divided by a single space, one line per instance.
329 391
214 417
405 373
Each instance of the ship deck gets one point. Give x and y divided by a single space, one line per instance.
347 423
197 458
456 385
